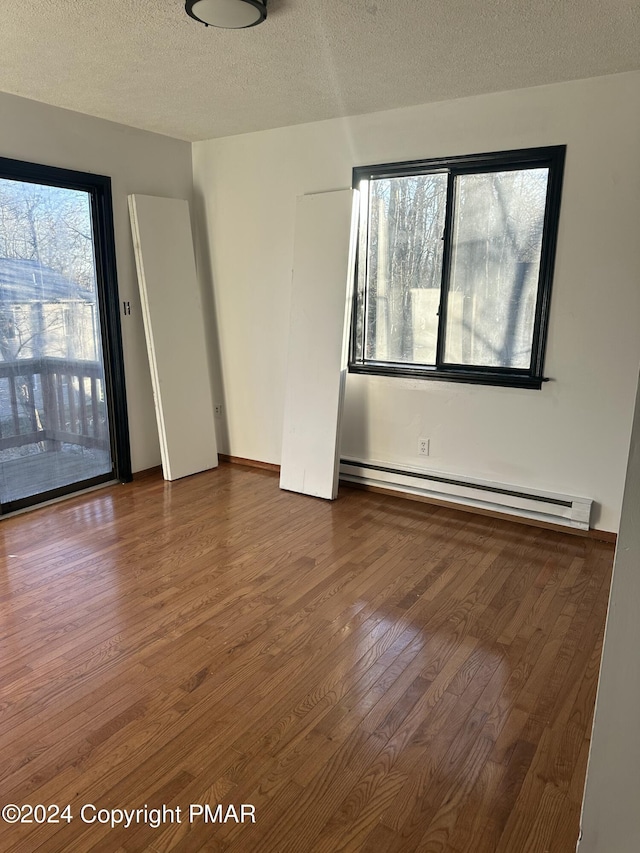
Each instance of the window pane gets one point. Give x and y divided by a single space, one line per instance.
497 239
54 427
404 267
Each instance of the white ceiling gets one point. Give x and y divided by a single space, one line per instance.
146 64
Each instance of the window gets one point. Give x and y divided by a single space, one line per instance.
454 267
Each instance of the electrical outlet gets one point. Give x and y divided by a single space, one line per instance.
423 447
217 410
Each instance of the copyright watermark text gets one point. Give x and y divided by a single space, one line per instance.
154 817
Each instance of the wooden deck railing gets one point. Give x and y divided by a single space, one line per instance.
52 400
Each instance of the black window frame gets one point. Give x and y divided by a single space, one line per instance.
551 157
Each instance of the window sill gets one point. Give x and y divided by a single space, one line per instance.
495 376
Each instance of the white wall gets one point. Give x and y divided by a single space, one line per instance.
573 435
610 810
136 162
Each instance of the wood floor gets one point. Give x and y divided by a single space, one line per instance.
371 675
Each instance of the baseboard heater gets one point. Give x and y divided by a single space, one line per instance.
542 506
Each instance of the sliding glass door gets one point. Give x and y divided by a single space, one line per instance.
63 420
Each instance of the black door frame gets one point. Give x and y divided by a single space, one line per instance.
98 188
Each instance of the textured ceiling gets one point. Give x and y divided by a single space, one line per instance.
146 64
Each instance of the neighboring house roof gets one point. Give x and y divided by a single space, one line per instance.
29 281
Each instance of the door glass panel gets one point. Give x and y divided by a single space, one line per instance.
54 428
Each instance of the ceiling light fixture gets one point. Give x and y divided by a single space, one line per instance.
228 14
